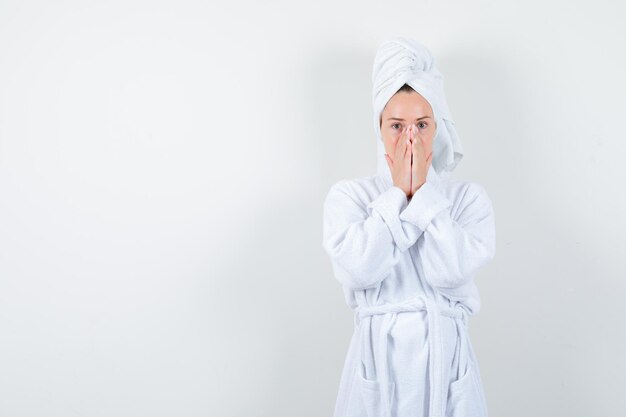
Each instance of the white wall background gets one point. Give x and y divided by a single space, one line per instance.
162 172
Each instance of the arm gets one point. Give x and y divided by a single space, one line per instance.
452 249
364 242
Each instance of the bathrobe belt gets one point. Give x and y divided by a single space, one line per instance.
435 346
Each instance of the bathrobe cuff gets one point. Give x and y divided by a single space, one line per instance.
389 204
424 205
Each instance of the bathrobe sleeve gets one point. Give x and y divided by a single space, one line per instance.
365 241
452 250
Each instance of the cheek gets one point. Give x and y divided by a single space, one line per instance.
431 135
389 145
429 143
390 140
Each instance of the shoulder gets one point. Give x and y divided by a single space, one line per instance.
470 200
358 189
466 191
355 193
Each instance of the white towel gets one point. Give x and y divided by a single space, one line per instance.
400 61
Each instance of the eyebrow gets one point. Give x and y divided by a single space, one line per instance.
402 120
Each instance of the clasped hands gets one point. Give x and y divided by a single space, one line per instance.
412 156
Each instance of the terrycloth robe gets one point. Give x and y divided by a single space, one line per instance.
407 270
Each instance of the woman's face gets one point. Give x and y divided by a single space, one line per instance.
402 110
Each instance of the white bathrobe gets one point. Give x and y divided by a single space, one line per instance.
407 269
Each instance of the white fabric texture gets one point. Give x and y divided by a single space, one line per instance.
407 267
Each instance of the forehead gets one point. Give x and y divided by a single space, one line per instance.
407 104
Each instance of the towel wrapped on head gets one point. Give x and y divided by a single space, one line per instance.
400 61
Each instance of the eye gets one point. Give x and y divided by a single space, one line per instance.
422 123
392 126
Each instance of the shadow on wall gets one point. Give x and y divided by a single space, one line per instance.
339 104
283 336
484 99
542 320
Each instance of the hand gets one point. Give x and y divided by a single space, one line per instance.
400 164
421 151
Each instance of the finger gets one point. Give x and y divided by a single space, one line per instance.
426 139
403 155
411 137
397 147
403 136
397 150
420 136
418 146
421 143
407 152
408 162
389 161
401 149
414 156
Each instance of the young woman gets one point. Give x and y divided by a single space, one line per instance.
406 244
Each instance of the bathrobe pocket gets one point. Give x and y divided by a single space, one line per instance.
463 396
371 395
